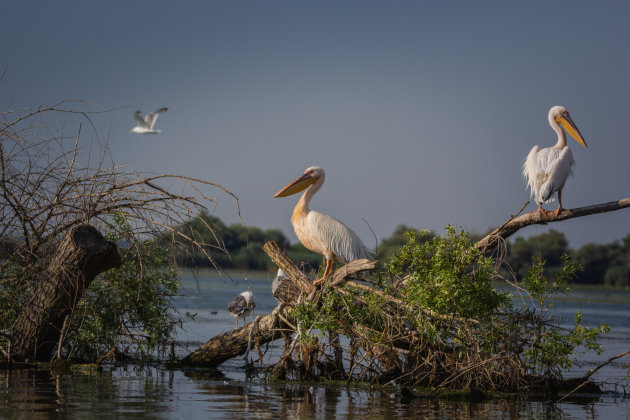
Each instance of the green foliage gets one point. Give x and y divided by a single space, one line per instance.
234 246
550 246
436 300
127 307
448 275
540 288
389 246
607 264
13 292
554 348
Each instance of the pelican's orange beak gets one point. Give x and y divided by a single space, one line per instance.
568 124
300 184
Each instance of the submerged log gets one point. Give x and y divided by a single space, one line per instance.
270 327
233 343
512 225
81 255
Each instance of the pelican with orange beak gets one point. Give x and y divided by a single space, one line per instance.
318 232
546 170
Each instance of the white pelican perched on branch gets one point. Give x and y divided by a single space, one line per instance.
318 232
546 170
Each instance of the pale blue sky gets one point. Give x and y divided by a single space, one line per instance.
421 112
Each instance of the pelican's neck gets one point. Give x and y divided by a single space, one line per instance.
301 208
562 137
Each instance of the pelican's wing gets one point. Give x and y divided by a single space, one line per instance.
338 237
546 171
138 117
152 117
560 167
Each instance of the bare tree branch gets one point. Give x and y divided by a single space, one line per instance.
497 236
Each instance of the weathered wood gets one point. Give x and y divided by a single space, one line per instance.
81 255
497 236
285 290
340 276
283 261
234 343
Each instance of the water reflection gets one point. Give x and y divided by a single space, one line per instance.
156 392
160 392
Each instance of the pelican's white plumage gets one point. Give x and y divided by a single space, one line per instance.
339 238
145 126
319 232
546 170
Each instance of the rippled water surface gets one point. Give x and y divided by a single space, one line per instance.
120 391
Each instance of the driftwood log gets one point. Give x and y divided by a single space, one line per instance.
269 327
81 255
495 238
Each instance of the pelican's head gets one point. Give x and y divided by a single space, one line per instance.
308 178
560 115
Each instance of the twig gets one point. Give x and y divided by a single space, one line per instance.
251 334
589 374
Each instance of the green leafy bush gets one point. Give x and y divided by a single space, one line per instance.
434 318
448 275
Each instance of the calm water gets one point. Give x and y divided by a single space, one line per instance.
157 392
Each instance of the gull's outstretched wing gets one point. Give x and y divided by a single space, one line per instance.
138 117
152 117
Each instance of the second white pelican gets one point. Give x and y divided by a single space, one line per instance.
546 170
318 232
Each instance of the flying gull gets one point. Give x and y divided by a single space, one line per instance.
145 126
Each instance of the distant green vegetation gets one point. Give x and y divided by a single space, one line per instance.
607 264
243 246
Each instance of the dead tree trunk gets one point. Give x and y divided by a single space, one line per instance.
500 234
270 327
82 254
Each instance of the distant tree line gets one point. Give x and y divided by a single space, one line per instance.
242 243
607 264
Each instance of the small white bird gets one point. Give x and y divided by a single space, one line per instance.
546 170
145 126
241 306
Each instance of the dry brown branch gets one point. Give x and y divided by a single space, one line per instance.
45 190
590 373
53 180
340 276
283 261
490 242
